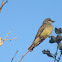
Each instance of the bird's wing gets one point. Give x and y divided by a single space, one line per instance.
40 30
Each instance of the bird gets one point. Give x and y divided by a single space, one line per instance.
44 31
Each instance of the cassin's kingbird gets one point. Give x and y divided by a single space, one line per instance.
44 31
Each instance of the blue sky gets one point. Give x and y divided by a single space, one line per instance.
25 17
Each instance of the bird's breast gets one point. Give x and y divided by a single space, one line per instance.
47 31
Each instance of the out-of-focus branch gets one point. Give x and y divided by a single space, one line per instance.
8 39
3 4
60 56
56 54
1 42
14 55
7 35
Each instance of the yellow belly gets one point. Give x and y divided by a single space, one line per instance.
47 31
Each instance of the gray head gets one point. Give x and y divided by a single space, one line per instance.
48 20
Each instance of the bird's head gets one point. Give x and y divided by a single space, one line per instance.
48 20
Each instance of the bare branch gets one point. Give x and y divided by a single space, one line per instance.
3 4
56 54
23 56
7 35
1 42
9 39
14 55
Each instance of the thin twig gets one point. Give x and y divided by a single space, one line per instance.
6 36
60 56
2 4
23 56
9 39
1 42
14 55
56 54
55 58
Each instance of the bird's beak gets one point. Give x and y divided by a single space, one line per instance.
53 21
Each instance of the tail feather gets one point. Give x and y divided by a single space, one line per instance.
31 47
35 43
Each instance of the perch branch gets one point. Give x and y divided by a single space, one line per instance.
23 56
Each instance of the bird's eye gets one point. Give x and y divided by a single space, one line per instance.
49 20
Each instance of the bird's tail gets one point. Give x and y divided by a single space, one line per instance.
31 47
